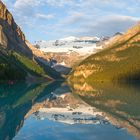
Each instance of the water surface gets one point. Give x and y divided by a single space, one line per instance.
57 111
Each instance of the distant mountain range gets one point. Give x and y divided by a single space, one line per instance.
81 45
68 51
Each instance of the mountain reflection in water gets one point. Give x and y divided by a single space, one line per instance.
53 111
120 102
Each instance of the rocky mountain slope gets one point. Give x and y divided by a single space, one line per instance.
18 57
11 36
119 61
70 50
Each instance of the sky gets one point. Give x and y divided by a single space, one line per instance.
54 19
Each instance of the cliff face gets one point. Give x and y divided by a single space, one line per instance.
11 36
13 41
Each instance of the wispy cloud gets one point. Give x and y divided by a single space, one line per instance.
109 25
59 3
48 19
43 16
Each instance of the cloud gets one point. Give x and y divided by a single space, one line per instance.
73 17
34 3
25 7
103 26
108 25
20 4
59 2
43 16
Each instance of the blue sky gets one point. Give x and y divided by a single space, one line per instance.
54 19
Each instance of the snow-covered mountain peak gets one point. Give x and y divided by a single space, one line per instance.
82 45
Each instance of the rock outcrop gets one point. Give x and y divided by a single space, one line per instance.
11 36
3 38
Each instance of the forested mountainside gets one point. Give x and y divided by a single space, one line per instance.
119 61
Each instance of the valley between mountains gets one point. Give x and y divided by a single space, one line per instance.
71 88
73 58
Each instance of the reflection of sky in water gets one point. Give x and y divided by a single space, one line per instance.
41 130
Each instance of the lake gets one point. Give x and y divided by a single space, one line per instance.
57 111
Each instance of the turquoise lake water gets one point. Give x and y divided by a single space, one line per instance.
60 112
